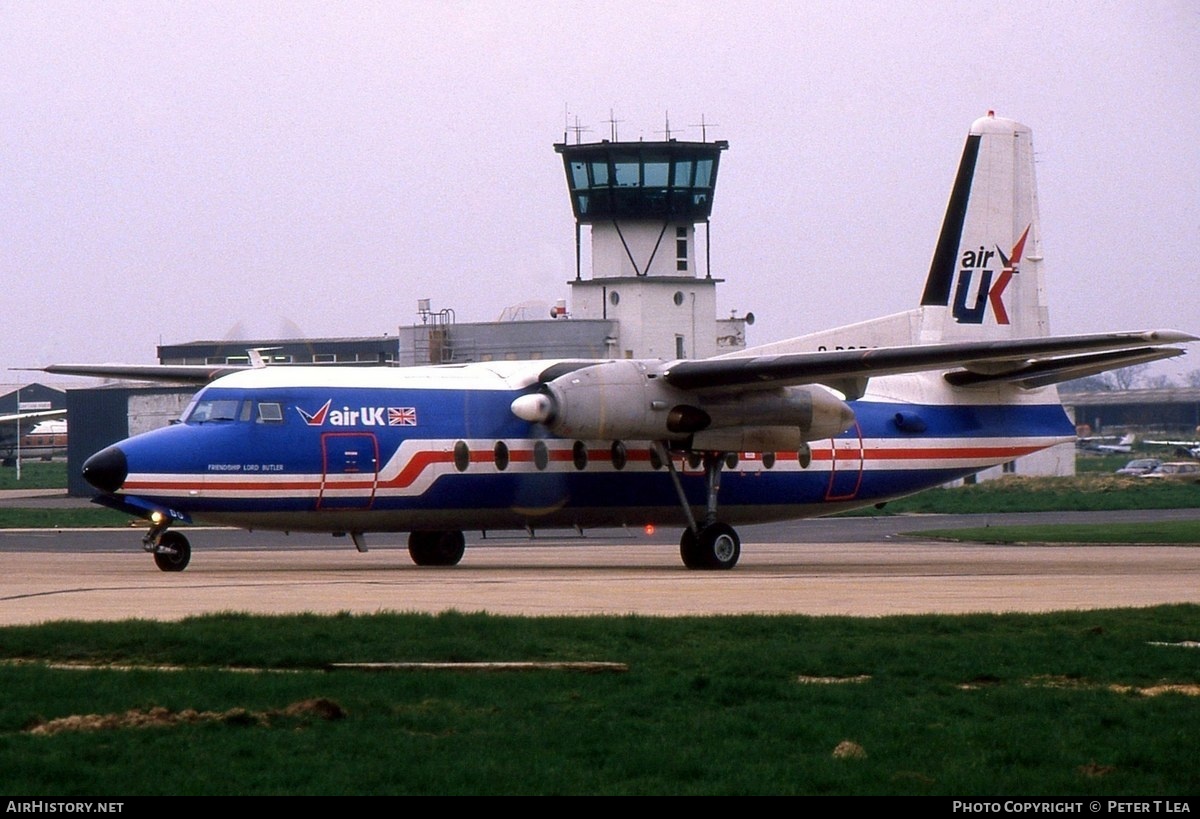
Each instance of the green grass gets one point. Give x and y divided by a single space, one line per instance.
1087 463
997 705
35 475
1086 493
1184 532
62 518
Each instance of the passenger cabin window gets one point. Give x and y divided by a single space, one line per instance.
462 456
270 412
619 455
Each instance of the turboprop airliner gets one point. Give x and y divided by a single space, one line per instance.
845 418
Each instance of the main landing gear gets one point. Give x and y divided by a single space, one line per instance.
171 550
710 545
443 548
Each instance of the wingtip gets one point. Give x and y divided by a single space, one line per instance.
1171 336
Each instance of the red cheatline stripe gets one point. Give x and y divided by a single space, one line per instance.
422 460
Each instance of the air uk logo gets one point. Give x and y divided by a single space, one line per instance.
986 293
327 415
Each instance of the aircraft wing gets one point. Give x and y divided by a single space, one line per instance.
170 373
24 416
175 373
1029 362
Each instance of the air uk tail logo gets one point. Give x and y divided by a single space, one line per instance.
986 293
360 416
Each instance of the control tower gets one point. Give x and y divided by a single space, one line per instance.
642 202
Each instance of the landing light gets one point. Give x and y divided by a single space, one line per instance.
649 528
157 517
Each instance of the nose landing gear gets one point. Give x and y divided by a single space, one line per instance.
171 550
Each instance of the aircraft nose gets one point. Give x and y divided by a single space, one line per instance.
106 470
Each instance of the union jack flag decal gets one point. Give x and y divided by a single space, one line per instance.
402 416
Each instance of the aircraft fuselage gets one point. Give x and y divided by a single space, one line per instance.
331 456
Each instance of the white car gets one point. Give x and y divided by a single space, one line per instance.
1140 466
1177 470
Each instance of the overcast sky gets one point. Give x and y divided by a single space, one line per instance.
173 171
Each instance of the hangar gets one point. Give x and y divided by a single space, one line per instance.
1172 412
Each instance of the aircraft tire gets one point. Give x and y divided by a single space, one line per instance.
716 547
689 550
177 559
720 546
443 548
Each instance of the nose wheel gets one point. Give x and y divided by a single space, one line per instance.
172 552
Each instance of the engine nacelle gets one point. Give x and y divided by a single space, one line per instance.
614 400
812 411
629 400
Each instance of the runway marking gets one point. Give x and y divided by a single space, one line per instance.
590 667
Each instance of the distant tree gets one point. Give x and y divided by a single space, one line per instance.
1158 382
1091 383
1126 377
1192 379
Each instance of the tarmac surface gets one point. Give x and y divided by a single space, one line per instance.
845 566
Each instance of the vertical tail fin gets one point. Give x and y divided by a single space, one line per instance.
985 280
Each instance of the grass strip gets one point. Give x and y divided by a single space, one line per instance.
1075 703
1181 532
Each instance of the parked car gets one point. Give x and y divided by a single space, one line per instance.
1140 466
1177 470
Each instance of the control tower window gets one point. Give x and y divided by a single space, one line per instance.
683 174
628 171
579 175
657 170
681 248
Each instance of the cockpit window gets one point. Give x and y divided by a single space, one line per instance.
220 409
269 412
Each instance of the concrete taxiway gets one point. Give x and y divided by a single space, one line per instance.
837 567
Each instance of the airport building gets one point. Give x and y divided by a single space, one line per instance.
1172 412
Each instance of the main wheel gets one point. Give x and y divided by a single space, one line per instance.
173 552
720 546
716 547
443 548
